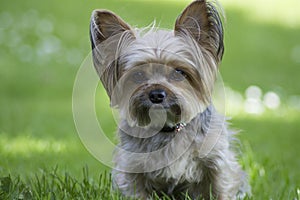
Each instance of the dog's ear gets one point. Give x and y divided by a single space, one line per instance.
107 30
105 24
202 21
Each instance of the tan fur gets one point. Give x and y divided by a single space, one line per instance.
181 65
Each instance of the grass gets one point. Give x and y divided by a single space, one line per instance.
42 44
52 185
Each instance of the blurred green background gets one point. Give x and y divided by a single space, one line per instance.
43 43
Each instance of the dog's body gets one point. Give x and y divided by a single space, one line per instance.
172 141
196 172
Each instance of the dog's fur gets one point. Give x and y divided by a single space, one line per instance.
161 80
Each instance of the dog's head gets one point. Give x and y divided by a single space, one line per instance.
158 75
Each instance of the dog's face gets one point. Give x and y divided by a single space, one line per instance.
157 77
152 91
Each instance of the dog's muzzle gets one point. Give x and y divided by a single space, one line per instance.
157 98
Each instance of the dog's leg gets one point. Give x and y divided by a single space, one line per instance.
130 184
228 181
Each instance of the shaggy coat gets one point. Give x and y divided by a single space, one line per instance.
172 142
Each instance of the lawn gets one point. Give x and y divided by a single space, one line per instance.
42 45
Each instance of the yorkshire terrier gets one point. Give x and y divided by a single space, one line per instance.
172 140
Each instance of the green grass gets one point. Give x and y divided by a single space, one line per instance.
52 185
42 44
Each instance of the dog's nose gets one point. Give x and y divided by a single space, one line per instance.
157 96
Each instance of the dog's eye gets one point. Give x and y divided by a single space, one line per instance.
178 75
139 76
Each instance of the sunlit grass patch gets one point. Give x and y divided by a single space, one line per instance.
254 103
25 144
285 13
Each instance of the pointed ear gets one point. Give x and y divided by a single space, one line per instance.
107 31
202 21
105 24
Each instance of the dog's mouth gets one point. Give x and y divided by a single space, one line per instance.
168 129
168 117
176 128
173 119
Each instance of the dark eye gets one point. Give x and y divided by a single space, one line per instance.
178 75
139 76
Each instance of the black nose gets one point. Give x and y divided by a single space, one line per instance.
157 96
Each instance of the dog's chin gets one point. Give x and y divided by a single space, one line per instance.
167 127
160 118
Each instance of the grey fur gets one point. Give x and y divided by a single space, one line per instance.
197 160
217 173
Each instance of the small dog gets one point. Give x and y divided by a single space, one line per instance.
172 140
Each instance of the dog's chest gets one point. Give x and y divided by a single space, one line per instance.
185 169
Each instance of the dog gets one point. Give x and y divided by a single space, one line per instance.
172 141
